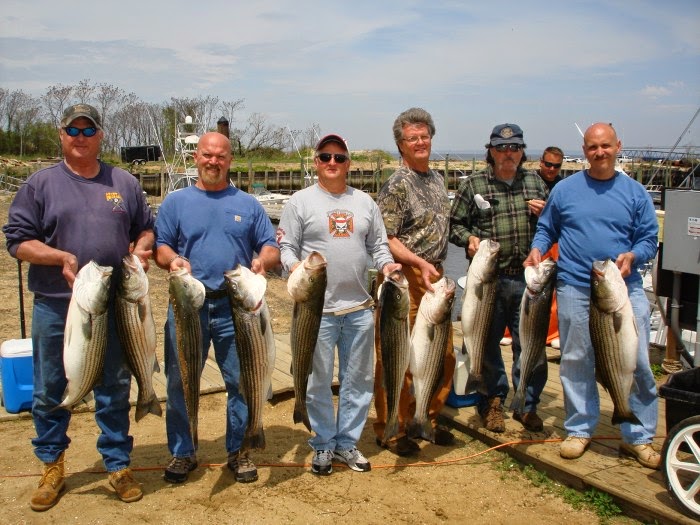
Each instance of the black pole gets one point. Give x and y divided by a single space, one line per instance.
22 327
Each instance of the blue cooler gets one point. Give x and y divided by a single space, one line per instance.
17 372
459 383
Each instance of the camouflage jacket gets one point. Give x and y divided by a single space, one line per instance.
416 210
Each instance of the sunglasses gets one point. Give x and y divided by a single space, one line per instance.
552 164
326 157
72 131
508 147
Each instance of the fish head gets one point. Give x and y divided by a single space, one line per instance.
133 285
484 265
309 278
246 289
185 290
608 288
393 295
91 287
537 279
437 305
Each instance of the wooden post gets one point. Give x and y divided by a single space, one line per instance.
251 176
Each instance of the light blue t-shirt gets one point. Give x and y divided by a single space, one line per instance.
215 230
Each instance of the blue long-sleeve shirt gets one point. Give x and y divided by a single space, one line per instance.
595 220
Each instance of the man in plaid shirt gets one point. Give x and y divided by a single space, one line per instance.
503 203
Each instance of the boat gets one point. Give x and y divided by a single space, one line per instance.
266 197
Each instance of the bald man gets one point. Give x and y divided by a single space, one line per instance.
596 214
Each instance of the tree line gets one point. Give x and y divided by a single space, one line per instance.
29 124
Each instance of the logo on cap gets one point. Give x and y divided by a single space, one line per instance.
506 133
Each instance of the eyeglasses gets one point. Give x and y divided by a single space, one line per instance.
338 157
72 131
552 164
507 147
416 138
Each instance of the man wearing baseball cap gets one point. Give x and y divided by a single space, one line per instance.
503 203
344 225
65 216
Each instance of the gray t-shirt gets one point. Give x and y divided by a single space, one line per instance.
346 228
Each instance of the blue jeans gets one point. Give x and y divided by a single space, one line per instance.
111 393
577 369
353 334
506 313
217 328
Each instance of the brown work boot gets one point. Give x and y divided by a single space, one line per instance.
573 447
128 489
644 454
50 487
493 415
530 420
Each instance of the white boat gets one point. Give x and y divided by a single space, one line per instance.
266 197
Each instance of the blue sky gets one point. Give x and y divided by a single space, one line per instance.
351 67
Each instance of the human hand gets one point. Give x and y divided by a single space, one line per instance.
624 263
536 206
533 258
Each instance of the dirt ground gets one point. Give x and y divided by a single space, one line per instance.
458 484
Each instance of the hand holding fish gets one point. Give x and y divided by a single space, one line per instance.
389 268
472 245
70 268
624 263
533 258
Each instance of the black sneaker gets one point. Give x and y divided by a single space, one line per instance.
322 464
242 467
179 468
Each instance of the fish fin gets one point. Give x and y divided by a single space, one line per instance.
390 431
156 366
255 440
617 319
302 416
476 383
518 402
152 407
479 291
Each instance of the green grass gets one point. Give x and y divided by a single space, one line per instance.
600 503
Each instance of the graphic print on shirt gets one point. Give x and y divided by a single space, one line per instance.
115 198
340 223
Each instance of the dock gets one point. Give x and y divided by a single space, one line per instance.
638 491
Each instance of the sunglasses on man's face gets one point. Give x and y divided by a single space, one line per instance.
338 157
508 147
72 131
552 164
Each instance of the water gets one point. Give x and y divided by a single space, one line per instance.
455 267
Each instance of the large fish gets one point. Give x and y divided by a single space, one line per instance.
535 309
394 333
614 336
428 340
307 286
477 309
137 332
187 298
85 336
255 344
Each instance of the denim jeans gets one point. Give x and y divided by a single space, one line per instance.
506 312
577 369
353 334
217 328
111 392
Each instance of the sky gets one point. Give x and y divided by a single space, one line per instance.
352 67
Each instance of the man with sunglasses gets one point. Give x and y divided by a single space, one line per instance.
550 166
416 210
344 225
503 203
79 210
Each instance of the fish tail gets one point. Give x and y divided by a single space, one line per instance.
518 402
150 407
391 429
620 417
255 440
476 383
302 416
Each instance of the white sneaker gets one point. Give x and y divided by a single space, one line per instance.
506 341
354 459
555 343
322 464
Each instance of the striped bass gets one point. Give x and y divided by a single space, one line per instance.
477 309
137 333
428 345
614 336
535 309
187 298
255 344
307 286
394 306
85 336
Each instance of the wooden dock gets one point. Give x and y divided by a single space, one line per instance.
639 491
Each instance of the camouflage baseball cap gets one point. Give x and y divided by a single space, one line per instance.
81 110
